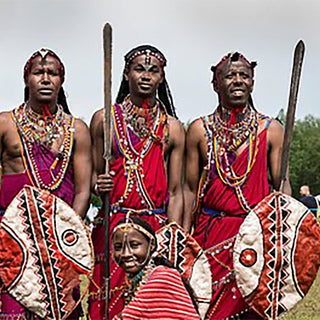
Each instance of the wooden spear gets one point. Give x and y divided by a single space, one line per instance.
294 88
107 49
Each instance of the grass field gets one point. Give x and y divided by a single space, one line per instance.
309 307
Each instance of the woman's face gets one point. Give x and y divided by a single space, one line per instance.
131 250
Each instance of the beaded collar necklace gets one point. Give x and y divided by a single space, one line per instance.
223 141
140 119
30 138
231 137
40 128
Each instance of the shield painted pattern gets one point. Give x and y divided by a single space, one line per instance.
189 259
45 252
276 255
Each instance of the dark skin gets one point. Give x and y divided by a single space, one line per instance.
144 79
131 250
233 85
44 83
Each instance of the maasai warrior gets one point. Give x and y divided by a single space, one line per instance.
229 153
145 170
153 290
44 146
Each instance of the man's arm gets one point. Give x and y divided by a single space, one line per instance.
275 141
192 170
175 166
82 164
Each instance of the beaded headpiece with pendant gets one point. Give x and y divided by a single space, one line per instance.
43 53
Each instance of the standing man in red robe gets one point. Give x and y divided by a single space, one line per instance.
146 166
229 155
43 145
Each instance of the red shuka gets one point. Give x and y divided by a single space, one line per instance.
163 296
216 235
149 202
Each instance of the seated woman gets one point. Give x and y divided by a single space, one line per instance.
154 290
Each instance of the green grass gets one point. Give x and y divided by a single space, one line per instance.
309 307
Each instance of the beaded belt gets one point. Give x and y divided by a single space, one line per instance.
116 209
220 214
158 212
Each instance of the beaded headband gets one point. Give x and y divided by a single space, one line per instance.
43 52
231 57
127 226
148 53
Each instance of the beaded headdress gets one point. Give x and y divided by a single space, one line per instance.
145 50
228 58
130 225
43 52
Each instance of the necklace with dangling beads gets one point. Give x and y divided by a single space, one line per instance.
40 128
231 137
134 283
134 170
36 129
140 119
223 142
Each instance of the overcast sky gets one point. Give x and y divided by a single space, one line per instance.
193 35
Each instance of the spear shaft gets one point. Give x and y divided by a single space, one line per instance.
292 103
107 49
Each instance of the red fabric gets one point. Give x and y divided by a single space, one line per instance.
163 296
155 179
155 182
217 235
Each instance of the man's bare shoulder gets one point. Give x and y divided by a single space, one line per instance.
5 116
196 132
175 124
275 132
6 120
196 127
98 116
80 125
275 125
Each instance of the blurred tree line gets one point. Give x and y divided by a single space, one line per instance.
304 154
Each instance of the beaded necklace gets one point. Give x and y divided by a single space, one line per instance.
134 283
223 141
28 124
139 119
42 128
232 136
133 157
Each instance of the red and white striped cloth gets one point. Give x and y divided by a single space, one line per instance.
163 296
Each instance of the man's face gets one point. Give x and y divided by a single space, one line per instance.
130 250
144 76
234 84
44 80
304 191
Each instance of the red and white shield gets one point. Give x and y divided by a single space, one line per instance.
45 253
276 255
